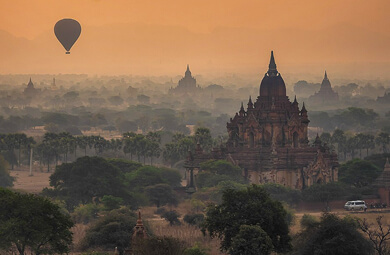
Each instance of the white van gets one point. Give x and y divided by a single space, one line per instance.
355 205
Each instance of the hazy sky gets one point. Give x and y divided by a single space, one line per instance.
220 36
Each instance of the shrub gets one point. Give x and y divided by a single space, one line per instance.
113 230
160 211
5 179
85 213
308 221
171 217
111 202
194 219
159 246
195 250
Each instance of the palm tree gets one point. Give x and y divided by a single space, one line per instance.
115 145
66 144
82 143
340 139
153 150
383 139
10 143
367 142
20 141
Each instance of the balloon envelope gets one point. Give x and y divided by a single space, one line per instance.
67 32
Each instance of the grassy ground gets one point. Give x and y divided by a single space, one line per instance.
185 232
34 183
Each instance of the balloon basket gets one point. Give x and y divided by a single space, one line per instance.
68 52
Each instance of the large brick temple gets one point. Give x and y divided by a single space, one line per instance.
269 141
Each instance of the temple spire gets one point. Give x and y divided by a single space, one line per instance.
242 110
325 76
30 84
188 72
250 104
303 107
318 141
387 165
272 65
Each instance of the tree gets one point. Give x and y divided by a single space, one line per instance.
216 171
126 166
126 126
378 234
115 100
195 250
115 229
30 222
358 173
161 194
111 202
251 240
383 139
150 175
6 180
368 143
333 235
87 178
194 219
129 144
49 149
152 150
378 160
20 141
251 206
203 137
160 246
172 217
171 153
326 138
283 193
86 213
323 192
340 139
9 142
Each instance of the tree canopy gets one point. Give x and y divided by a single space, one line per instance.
251 206
112 230
85 179
251 240
216 171
332 235
6 180
31 222
161 194
358 172
323 192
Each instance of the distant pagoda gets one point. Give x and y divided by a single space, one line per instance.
30 91
325 95
385 99
186 85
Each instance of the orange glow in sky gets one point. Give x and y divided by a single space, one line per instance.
156 37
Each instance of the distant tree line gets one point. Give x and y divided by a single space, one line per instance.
352 118
64 147
356 145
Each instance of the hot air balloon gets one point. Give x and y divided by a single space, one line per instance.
67 32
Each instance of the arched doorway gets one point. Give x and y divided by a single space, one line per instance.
295 140
251 140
